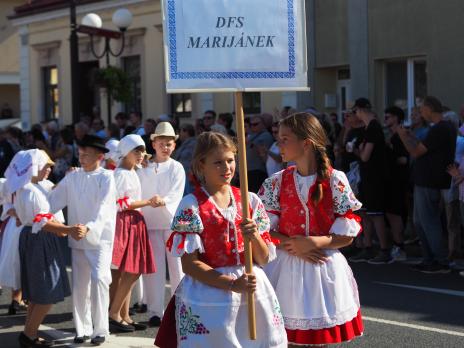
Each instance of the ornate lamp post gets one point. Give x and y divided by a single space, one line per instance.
92 26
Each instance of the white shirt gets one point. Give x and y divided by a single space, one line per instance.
166 179
32 200
90 198
272 166
127 185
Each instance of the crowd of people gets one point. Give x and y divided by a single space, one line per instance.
141 192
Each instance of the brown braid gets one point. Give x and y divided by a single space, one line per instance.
307 126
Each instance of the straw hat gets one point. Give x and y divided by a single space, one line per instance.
164 129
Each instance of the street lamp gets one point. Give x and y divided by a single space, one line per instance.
92 26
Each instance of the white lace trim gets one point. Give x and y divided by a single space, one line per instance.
345 227
192 242
272 251
321 323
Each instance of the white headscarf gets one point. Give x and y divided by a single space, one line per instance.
129 143
23 167
112 145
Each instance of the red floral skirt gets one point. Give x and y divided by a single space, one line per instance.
132 251
337 334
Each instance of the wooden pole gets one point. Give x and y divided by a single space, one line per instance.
240 124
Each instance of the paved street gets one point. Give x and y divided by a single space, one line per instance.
402 308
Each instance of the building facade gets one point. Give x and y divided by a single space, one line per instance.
391 51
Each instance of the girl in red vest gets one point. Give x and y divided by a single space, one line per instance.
310 206
209 306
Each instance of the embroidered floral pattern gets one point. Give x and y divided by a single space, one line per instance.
262 219
344 199
277 319
187 220
189 323
270 192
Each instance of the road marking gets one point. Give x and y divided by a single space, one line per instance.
413 326
423 288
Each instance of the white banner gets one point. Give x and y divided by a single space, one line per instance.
234 45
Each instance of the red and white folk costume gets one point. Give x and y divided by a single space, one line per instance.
210 317
320 303
132 251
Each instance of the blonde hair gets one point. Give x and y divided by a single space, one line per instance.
307 126
206 143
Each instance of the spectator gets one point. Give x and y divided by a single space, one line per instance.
209 118
149 127
432 157
184 153
53 135
112 132
80 130
397 182
6 152
419 127
351 138
226 120
258 141
64 155
336 125
7 111
199 126
372 168
135 119
273 158
122 122
15 137
218 129
286 111
98 128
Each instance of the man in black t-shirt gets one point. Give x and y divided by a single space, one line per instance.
372 169
432 157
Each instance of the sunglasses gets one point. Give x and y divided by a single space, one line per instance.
254 124
208 117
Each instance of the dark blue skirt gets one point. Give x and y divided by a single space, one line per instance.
43 271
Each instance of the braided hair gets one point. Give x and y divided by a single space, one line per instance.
307 126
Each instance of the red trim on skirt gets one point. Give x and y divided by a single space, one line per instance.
167 333
132 251
332 335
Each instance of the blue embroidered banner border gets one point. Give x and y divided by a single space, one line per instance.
176 75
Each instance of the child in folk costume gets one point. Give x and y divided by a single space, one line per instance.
163 179
10 275
111 157
43 274
208 235
90 195
132 251
310 206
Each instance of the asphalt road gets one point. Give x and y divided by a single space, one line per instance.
402 308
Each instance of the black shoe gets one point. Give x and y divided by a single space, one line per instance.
138 326
154 321
16 307
382 258
96 341
132 311
26 342
142 309
432 268
81 339
120 327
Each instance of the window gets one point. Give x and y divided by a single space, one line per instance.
252 103
181 105
51 93
131 66
406 83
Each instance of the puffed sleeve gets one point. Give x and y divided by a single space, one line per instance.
269 193
345 203
122 181
38 208
186 228
264 225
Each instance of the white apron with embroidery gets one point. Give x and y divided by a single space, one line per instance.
207 317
